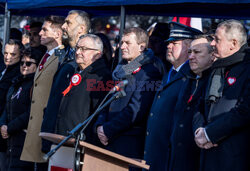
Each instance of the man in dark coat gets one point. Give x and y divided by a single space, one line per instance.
223 129
12 54
184 154
160 119
121 128
82 98
65 70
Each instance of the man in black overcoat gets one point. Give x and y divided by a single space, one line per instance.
121 127
66 68
160 118
222 131
87 87
184 154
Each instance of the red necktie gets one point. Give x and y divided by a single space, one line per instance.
45 57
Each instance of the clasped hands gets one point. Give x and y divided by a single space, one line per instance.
201 140
4 132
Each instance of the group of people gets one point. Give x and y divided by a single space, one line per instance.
194 116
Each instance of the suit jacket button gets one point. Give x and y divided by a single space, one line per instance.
35 84
181 125
151 114
31 117
147 133
32 101
159 97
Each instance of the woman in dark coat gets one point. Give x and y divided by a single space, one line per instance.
15 117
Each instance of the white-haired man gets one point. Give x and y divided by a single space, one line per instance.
224 131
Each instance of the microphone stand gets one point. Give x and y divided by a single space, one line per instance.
72 133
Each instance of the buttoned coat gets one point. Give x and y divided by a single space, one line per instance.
184 153
160 119
124 122
228 123
61 81
42 86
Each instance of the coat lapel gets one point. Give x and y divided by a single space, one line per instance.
178 76
47 63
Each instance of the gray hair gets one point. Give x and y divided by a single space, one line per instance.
97 41
234 29
82 18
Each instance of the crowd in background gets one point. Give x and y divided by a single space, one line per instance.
186 106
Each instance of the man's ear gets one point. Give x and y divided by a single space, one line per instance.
234 44
98 55
82 29
142 47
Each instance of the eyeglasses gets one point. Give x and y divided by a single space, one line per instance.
26 63
83 48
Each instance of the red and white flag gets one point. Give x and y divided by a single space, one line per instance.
190 21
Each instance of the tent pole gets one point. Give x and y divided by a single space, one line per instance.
122 26
6 26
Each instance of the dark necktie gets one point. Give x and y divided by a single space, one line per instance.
45 57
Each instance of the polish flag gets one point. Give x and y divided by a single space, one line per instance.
191 22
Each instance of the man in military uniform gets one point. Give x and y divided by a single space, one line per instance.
160 118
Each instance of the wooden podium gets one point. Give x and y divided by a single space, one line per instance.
99 159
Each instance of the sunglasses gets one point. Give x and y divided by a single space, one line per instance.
26 63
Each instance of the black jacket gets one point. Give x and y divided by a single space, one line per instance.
6 81
228 124
157 144
124 122
184 153
81 100
16 117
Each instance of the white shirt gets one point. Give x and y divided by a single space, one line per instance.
51 52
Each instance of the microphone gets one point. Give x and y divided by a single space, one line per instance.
119 86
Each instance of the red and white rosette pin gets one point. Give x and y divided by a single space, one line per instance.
75 80
137 70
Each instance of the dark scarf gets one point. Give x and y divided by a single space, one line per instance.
217 78
124 69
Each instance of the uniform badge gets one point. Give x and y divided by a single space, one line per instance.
75 80
137 70
231 80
